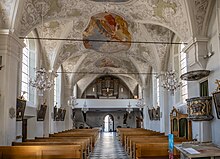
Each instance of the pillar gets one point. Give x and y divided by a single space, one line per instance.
10 52
68 119
164 110
49 123
145 110
148 99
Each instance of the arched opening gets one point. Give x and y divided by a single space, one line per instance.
109 87
108 123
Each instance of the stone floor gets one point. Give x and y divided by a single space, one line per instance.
108 147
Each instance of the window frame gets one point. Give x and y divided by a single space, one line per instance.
28 64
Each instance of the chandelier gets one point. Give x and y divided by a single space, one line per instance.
72 102
129 109
85 108
171 83
140 104
42 82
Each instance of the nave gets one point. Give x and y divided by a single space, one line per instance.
109 147
67 65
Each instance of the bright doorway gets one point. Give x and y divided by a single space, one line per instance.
108 123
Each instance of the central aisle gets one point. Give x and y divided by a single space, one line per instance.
108 147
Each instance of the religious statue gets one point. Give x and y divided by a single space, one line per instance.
125 118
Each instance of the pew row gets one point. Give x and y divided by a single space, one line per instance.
41 152
141 143
82 145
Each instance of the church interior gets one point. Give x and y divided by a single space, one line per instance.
109 78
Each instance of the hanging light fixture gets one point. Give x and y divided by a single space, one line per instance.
85 108
171 83
72 102
129 109
43 81
140 104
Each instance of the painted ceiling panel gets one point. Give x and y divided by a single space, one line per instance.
107 62
108 27
134 21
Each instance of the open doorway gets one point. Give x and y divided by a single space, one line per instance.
108 123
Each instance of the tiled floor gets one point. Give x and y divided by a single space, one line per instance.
108 147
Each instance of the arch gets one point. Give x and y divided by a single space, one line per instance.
108 124
94 77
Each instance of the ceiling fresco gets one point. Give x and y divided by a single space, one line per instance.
108 20
107 62
5 9
107 27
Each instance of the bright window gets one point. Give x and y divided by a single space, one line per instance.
28 66
158 92
25 70
57 90
183 69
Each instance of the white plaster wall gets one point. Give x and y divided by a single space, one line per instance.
214 65
107 103
39 131
96 118
208 130
34 128
155 125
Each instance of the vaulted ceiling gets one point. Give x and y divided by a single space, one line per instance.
123 21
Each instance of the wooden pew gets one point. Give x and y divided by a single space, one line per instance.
124 132
90 134
132 148
83 148
131 139
85 142
152 151
71 137
120 131
94 136
41 152
138 140
147 133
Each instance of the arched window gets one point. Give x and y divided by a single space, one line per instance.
28 69
180 67
183 69
158 92
57 90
